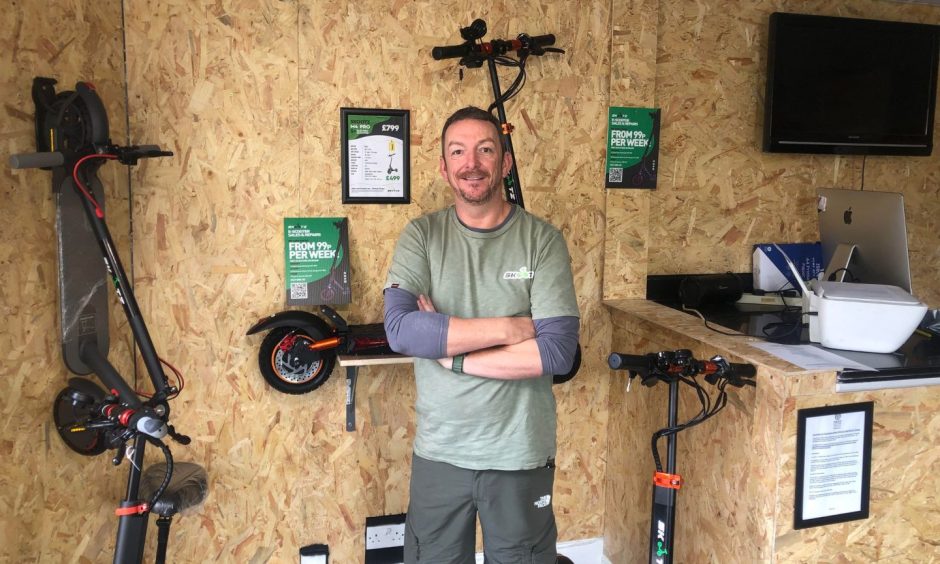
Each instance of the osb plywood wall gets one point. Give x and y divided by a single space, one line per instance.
247 94
904 521
718 193
632 84
44 488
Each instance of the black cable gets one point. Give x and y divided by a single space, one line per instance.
701 416
517 84
848 272
656 460
169 470
520 79
709 409
862 187
707 326
795 326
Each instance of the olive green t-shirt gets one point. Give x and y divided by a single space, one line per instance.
522 268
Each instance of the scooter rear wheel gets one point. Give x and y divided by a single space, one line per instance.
287 363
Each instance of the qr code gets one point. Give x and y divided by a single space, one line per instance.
616 175
298 291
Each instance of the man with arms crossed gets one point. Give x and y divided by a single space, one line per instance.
481 293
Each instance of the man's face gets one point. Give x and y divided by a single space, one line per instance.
473 162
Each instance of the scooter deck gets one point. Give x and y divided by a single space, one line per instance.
83 287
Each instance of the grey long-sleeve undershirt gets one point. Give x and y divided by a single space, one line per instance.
424 334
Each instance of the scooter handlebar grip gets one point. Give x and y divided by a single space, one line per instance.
743 370
450 51
543 40
37 160
631 362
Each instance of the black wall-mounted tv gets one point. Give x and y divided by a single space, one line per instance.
850 86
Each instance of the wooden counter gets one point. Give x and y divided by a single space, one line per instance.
739 467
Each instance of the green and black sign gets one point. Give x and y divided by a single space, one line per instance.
316 253
632 147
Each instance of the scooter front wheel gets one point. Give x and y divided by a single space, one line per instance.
288 364
72 409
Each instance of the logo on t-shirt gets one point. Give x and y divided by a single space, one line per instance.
522 274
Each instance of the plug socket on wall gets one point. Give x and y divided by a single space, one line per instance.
385 536
385 539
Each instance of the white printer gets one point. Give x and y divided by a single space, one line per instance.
858 317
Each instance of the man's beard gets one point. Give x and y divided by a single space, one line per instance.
491 192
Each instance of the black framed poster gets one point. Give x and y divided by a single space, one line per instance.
833 464
376 155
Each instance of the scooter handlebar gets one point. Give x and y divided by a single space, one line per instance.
37 160
645 363
497 46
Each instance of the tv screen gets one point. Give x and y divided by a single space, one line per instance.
849 86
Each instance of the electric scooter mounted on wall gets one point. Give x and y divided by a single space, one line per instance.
299 352
473 52
72 141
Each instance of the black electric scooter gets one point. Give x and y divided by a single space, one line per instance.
72 141
673 368
299 352
473 52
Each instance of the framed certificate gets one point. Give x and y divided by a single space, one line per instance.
833 464
376 152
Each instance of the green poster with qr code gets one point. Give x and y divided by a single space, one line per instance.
632 147
316 254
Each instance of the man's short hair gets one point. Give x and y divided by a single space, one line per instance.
471 112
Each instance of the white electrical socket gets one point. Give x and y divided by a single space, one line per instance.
385 536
